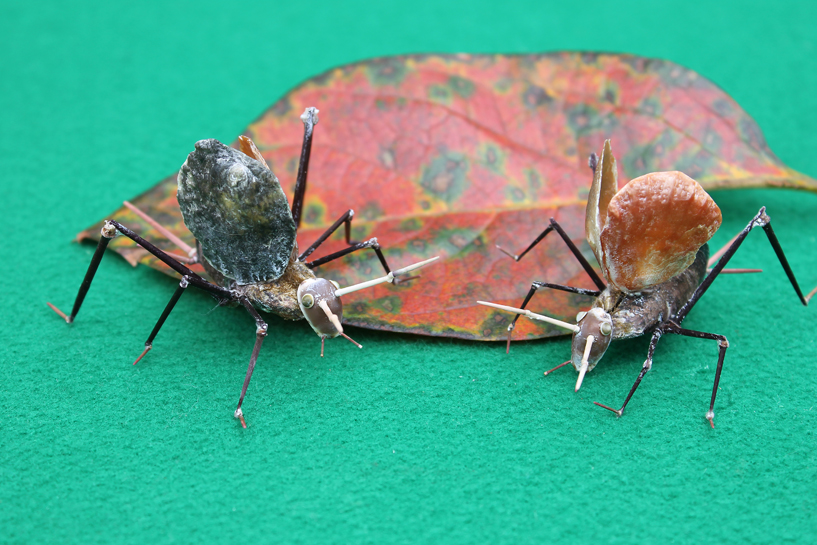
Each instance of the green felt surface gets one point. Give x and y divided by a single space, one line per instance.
411 439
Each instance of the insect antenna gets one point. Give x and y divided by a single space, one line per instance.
388 278
533 316
557 367
351 340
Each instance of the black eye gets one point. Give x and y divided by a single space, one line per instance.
307 300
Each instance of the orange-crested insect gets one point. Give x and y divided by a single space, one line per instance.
650 240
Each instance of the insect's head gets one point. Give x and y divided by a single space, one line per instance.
591 335
590 341
320 300
321 307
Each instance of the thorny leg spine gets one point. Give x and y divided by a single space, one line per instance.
761 219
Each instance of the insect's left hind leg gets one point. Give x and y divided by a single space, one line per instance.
723 344
762 220
260 333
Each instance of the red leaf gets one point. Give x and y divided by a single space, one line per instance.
451 155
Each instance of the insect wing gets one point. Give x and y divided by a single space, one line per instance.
605 186
655 225
237 210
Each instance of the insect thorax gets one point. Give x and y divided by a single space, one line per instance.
278 296
635 313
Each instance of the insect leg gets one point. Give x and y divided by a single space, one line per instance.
554 226
168 309
310 119
260 333
538 285
762 220
656 336
344 219
109 231
723 344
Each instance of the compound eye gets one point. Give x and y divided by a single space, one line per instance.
580 316
605 328
307 300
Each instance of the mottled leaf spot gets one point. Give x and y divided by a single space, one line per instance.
650 106
371 211
410 224
445 177
458 241
515 194
535 96
392 304
584 119
461 86
386 71
751 134
440 94
314 213
282 107
649 157
534 179
492 157
610 93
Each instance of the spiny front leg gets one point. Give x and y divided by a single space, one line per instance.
656 336
723 344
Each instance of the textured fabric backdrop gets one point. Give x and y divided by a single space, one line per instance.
411 439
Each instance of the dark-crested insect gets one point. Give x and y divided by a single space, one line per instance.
245 232
649 239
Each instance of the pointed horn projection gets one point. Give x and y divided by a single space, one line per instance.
331 315
533 316
388 278
585 361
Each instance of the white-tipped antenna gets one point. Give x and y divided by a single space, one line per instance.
585 361
533 316
388 278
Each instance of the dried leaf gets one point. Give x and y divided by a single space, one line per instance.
451 155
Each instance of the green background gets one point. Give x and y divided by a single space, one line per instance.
411 439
